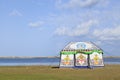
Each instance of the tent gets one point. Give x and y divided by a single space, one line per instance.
81 55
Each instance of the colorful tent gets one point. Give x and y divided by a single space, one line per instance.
81 55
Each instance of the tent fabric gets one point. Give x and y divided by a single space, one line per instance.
81 46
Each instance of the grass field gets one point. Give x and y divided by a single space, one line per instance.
109 72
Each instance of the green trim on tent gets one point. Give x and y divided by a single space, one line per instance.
68 52
98 51
81 51
89 52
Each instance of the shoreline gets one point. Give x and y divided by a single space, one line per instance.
28 57
15 57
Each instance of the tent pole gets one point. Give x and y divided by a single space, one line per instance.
60 60
74 60
88 61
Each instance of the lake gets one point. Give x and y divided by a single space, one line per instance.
43 61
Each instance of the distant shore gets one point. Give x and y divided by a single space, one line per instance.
29 56
47 57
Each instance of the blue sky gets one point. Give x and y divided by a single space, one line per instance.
44 27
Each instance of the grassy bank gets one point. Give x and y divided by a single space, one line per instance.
109 72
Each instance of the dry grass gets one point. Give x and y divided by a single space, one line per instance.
109 72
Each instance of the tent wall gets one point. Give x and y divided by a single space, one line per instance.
81 60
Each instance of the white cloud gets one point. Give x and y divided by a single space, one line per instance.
36 24
81 3
77 3
98 43
103 3
108 33
15 13
81 29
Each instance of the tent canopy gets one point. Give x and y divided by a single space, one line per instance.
81 47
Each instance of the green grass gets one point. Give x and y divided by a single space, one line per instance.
109 72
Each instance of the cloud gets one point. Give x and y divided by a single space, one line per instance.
79 30
36 24
108 33
15 13
98 43
77 3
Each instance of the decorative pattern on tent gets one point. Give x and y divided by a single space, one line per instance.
96 59
81 59
67 60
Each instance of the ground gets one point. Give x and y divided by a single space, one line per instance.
109 72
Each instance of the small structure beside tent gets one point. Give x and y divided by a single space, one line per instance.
81 55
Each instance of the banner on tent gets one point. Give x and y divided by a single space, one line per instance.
81 59
96 59
67 60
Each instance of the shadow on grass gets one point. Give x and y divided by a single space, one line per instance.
55 67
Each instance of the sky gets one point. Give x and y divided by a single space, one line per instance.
44 27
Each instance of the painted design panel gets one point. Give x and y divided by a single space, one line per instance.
81 59
96 59
67 60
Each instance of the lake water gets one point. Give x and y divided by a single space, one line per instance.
43 61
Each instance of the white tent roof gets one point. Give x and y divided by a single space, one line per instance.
81 45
